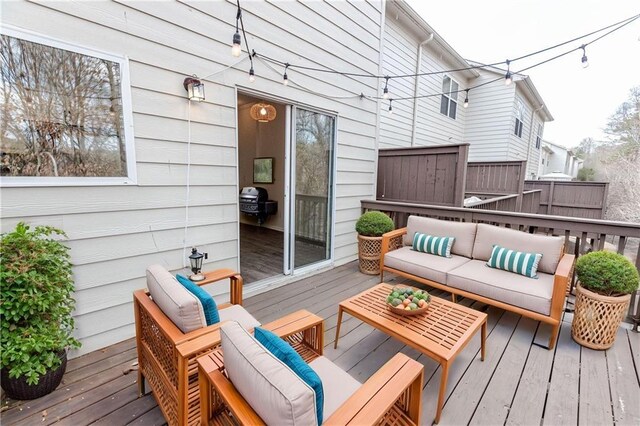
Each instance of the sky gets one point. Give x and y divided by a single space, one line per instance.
580 100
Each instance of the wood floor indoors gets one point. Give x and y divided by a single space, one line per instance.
518 383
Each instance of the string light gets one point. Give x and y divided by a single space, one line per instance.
390 107
466 98
507 76
252 75
385 91
236 48
585 61
285 78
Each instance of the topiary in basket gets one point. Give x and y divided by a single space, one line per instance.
370 228
606 281
36 310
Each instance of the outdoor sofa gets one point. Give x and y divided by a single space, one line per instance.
465 273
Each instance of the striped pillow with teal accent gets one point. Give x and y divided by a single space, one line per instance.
440 246
514 261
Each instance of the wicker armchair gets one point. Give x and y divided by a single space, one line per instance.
171 373
392 396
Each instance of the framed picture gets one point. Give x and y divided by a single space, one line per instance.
263 170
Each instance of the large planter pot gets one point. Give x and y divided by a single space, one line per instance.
20 389
369 254
596 318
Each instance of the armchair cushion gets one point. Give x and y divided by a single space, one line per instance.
285 353
240 315
208 304
271 388
182 307
338 384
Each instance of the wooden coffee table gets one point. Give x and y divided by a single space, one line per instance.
440 333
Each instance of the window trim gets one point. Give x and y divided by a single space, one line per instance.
450 98
517 131
539 136
127 118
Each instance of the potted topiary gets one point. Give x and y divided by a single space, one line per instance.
370 228
36 308
606 281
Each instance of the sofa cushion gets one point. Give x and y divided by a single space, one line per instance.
240 315
338 384
440 246
180 306
275 392
519 262
424 265
489 235
464 233
285 353
476 277
208 304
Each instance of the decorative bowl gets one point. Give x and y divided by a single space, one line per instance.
401 297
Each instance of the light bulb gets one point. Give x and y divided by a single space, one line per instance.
390 108
466 102
585 61
263 111
252 75
385 93
507 78
285 79
236 48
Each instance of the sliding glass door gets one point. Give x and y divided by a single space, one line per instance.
312 157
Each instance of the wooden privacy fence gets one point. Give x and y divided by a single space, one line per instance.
529 202
486 179
581 235
575 199
431 175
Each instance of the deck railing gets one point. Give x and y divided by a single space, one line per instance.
581 235
508 203
311 218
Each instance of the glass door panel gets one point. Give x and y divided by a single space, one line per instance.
312 201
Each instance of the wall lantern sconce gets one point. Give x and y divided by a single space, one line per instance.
263 112
194 88
196 264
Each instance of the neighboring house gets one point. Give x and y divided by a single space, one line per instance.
557 158
500 123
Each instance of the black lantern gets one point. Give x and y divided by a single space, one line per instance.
196 264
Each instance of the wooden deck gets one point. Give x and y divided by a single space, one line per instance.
518 383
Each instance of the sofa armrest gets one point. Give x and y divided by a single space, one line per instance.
394 391
235 278
563 274
390 241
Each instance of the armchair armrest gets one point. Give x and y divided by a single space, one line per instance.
563 274
231 398
393 390
391 237
235 278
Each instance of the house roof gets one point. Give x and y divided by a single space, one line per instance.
401 11
525 83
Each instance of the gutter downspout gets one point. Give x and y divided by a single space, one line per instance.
415 89
533 114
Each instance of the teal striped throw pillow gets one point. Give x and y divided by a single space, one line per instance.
514 261
440 246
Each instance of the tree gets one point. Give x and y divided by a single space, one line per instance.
586 174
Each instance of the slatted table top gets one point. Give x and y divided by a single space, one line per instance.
441 332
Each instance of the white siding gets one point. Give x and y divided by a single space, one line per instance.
490 119
115 232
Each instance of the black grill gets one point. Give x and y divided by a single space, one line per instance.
255 202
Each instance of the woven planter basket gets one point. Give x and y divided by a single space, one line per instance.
369 254
20 389
596 318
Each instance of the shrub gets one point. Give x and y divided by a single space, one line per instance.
607 273
36 305
586 174
374 224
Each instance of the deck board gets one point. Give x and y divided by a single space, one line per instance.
518 383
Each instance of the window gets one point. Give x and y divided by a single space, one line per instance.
66 116
519 118
448 104
539 136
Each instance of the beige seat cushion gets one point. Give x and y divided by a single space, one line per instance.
464 233
240 315
550 247
508 287
337 384
425 265
177 303
271 388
